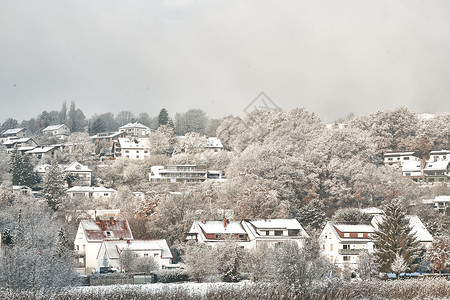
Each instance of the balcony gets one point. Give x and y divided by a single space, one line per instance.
80 253
351 251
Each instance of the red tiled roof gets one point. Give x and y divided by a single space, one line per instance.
107 230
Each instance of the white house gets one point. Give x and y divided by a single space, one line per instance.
439 202
342 243
111 251
214 144
133 148
90 236
82 173
91 192
398 158
14 133
433 171
48 152
21 144
135 130
184 174
59 131
274 231
248 233
440 155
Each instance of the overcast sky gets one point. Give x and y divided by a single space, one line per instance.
332 57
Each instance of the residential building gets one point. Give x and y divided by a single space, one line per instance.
110 252
91 192
13 133
132 148
398 158
441 203
60 132
46 152
440 155
274 231
214 144
90 236
21 190
135 130
19 144
184 174
433 171
248 233
342 243
82 174
104 141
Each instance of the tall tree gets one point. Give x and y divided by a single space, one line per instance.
8 124
63 113
76 119
125 117
54 186
22 170
395 237
439 254
163 117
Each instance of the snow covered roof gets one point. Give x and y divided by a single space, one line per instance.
53 127
399 153
105 135
442 199
437 152
411 166
105 229
372 211
134 125
113 248
13 131
134 143
214 142
77 167
437 165
421 231
81 189
15 141
216 227
38 150
276 224
42 168
354 227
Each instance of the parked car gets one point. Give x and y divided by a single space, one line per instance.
104 270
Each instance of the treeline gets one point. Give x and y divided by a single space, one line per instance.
194 120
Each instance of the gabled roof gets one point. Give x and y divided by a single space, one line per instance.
16 141
53 127
275 224
253 226
82 189
114 248
216 227
354 227
437 165
372 211
437 152
214 142
97 231
13 131
422 234
134 125
409 153
411 166
38 150
442 199
105 135
77 167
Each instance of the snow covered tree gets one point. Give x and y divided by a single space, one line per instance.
200 260
439 254
194 120
194 143
76 121
54 189
399 265
163 117
312 215
83 148
230 259
367 267
61 247
22 170
394 236
351 215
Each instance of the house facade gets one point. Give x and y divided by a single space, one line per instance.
214 144
90 236
104 141
46 152
441 203
342 243
132 148
82 174
13 133
60 132
433 171
137 130
440 155
398 158
91 192
184 174
19 144
110 252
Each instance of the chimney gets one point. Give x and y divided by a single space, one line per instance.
225 223
111 220
204 221
97 220
128 242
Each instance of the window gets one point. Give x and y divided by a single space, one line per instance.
156 254
137 156
346 234
405 158
331 258
331 247
106 194
216 236
267 232
346 258
360 235
390 158
145 151
241 236
108 233
127 151
278 232
346 247
145 254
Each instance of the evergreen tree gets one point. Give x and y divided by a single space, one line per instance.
97 126
63 113
394 237
163 117
22 170
54 186
312 215
61 247
439 254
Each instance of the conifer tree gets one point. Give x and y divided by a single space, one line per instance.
22 170
394 237
312 215
54 186
163 117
